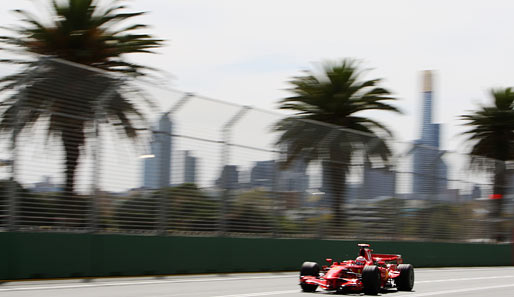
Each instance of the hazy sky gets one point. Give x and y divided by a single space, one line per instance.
245 51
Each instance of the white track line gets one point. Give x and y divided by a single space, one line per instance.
135 283
446 292
463 279
261 293
464 269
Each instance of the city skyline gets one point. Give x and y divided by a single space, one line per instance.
182 142
259 58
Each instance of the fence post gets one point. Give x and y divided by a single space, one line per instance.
225 159
99 117
276 202
162 139
12 188
162 182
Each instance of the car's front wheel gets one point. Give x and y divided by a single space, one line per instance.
371 279
309 269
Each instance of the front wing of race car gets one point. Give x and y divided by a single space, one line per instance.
333 280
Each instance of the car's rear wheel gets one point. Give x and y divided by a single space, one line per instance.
371 279
405 281
309 269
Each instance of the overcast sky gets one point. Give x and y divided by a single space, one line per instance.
245 51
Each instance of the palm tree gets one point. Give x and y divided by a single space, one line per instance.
69 98
492 135
326 104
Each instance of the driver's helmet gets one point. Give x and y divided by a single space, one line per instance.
360 260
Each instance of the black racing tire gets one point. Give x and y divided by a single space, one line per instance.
310 269
371 279
405 281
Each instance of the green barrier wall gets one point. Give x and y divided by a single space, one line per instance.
54 255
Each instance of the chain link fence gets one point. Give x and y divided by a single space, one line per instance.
86 151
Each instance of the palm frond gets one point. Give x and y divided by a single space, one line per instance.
492 128
334 96
66 97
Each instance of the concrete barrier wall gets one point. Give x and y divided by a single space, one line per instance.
55 255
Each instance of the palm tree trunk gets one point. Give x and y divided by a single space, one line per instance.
497 203
72 154
335 181
73 210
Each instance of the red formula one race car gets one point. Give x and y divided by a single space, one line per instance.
369 273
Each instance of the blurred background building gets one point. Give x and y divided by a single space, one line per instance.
157 169
263 175
229 178
190 163
430 171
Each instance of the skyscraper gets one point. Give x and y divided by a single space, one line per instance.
157 173
294 178
263 174
229 178
430 171
189 168
377 182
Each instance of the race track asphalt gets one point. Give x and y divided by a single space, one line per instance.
474 281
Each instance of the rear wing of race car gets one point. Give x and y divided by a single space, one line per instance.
387 258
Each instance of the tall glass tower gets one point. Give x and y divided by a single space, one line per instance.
157 170
189 168
430 171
